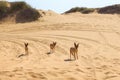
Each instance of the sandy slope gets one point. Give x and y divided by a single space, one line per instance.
99 50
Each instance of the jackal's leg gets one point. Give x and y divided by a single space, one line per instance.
70 55
74 56
77 55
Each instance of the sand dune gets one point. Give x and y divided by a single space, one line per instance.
99 50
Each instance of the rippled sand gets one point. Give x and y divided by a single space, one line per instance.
99 50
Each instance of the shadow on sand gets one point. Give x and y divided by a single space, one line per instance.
69 60
21 55
48 53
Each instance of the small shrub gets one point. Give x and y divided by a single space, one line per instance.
17 6
88 10
83 10
22 11
27 15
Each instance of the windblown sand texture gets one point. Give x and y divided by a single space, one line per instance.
99 49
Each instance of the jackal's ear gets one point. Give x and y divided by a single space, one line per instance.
75 44
26 44
54 43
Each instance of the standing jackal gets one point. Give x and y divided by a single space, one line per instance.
74 51
52 47
26 51
26 48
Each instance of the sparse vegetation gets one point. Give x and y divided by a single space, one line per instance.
83 10
17 6
113 9
23 11
27 15
110 9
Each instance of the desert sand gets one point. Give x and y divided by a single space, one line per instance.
99 49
